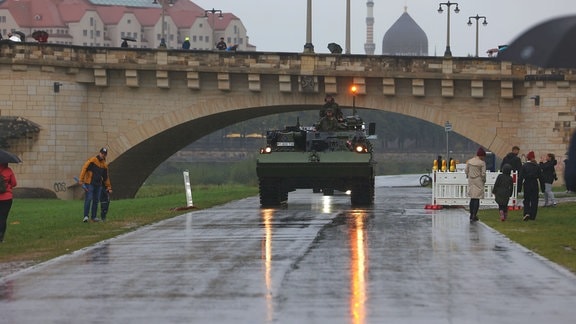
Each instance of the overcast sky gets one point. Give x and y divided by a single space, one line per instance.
280 25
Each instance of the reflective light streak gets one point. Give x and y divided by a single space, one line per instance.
267 217
358 268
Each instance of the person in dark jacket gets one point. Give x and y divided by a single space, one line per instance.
570 165
548 177
502 190
512 159
530 181
186 43
221 45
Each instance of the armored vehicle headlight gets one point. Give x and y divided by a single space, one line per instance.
266 150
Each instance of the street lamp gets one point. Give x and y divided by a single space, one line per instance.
483 23
347 26
354 90
309 47
448 129
163 33
220 17
456 10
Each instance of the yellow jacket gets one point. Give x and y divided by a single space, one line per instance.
95 172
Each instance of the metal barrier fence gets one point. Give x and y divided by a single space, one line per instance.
451 189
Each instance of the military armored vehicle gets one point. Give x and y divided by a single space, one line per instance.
299 157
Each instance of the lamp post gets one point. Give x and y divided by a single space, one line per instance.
456 10
448 129
309 47
354 90
220 17
347 27
483 23
163 32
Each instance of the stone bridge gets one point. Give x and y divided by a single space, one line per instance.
147 104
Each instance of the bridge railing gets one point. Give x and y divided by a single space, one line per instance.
451 189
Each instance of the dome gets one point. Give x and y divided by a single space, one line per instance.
405 37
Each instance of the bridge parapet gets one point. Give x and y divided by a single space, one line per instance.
80 57
95 64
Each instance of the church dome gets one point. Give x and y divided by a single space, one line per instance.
405 37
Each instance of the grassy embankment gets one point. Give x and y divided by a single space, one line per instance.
552 235
41 229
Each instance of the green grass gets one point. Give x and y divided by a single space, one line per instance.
552 235
41 229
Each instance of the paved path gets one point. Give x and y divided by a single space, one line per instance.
316 261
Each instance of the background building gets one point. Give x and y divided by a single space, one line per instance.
405 37
107 22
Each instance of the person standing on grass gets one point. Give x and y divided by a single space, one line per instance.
502 190
530 180
95 178
548 166
476 174
6 197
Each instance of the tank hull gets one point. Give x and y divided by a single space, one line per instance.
280 173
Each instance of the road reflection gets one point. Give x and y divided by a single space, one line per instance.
267 218
358 265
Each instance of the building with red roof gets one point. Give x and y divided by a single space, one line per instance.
143 23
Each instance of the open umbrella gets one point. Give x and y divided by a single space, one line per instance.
127 38
549 45
335 48
7 157
40 35
21 34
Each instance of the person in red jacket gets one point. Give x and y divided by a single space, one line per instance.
94 178
6 197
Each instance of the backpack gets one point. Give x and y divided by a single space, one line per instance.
2 184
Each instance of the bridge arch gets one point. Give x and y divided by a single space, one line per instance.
141 150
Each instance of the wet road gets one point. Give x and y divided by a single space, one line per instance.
316 261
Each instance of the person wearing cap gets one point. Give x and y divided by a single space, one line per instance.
94 178
329 102
221 44
186 43
476 174
530 181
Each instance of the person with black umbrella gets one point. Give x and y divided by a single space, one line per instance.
7 182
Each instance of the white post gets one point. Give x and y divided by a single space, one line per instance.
189 202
